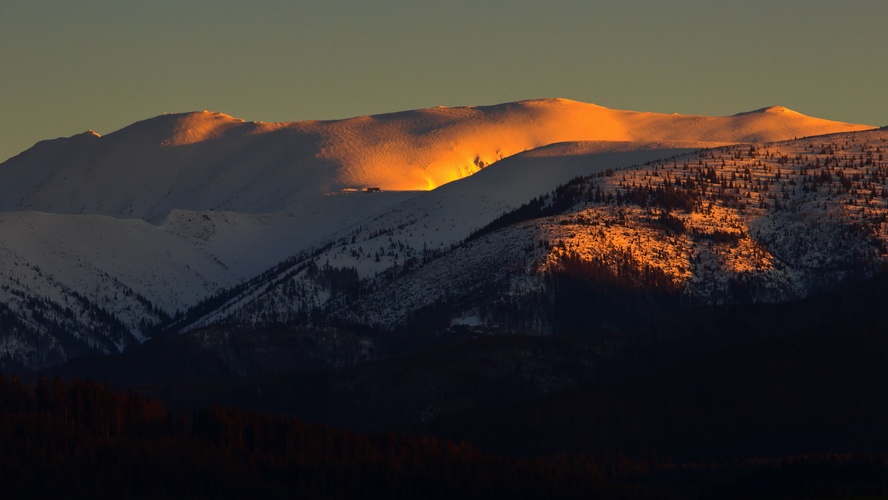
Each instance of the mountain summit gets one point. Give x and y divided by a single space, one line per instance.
212 161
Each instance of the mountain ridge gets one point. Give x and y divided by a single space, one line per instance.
430 146
161 216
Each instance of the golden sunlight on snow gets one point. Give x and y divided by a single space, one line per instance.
424 149
429 148
715 237
201 126
686 220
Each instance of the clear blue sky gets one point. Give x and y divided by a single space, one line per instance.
70 66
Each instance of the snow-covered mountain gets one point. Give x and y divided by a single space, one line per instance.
211 161
756 223
105 237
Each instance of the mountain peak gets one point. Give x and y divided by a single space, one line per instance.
179 129
551 100
203 114
199 126
771 110
778 109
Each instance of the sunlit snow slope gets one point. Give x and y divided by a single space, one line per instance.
211 161
156 216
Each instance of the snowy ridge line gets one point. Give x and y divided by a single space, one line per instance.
268 167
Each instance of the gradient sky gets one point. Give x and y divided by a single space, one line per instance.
92 64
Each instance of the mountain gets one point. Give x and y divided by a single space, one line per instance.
738 223
190 219
211 161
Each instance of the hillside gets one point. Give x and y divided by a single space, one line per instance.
109 236
765 223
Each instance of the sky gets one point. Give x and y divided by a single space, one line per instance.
66 67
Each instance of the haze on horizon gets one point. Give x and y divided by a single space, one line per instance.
102 65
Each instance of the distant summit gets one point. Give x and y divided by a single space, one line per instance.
206 160
408 150
770 110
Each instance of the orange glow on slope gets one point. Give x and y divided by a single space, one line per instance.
425 149
704 241
201 126
428 148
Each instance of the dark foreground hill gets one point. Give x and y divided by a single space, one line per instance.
771 394
82 440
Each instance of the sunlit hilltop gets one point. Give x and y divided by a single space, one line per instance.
206 160
425 149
